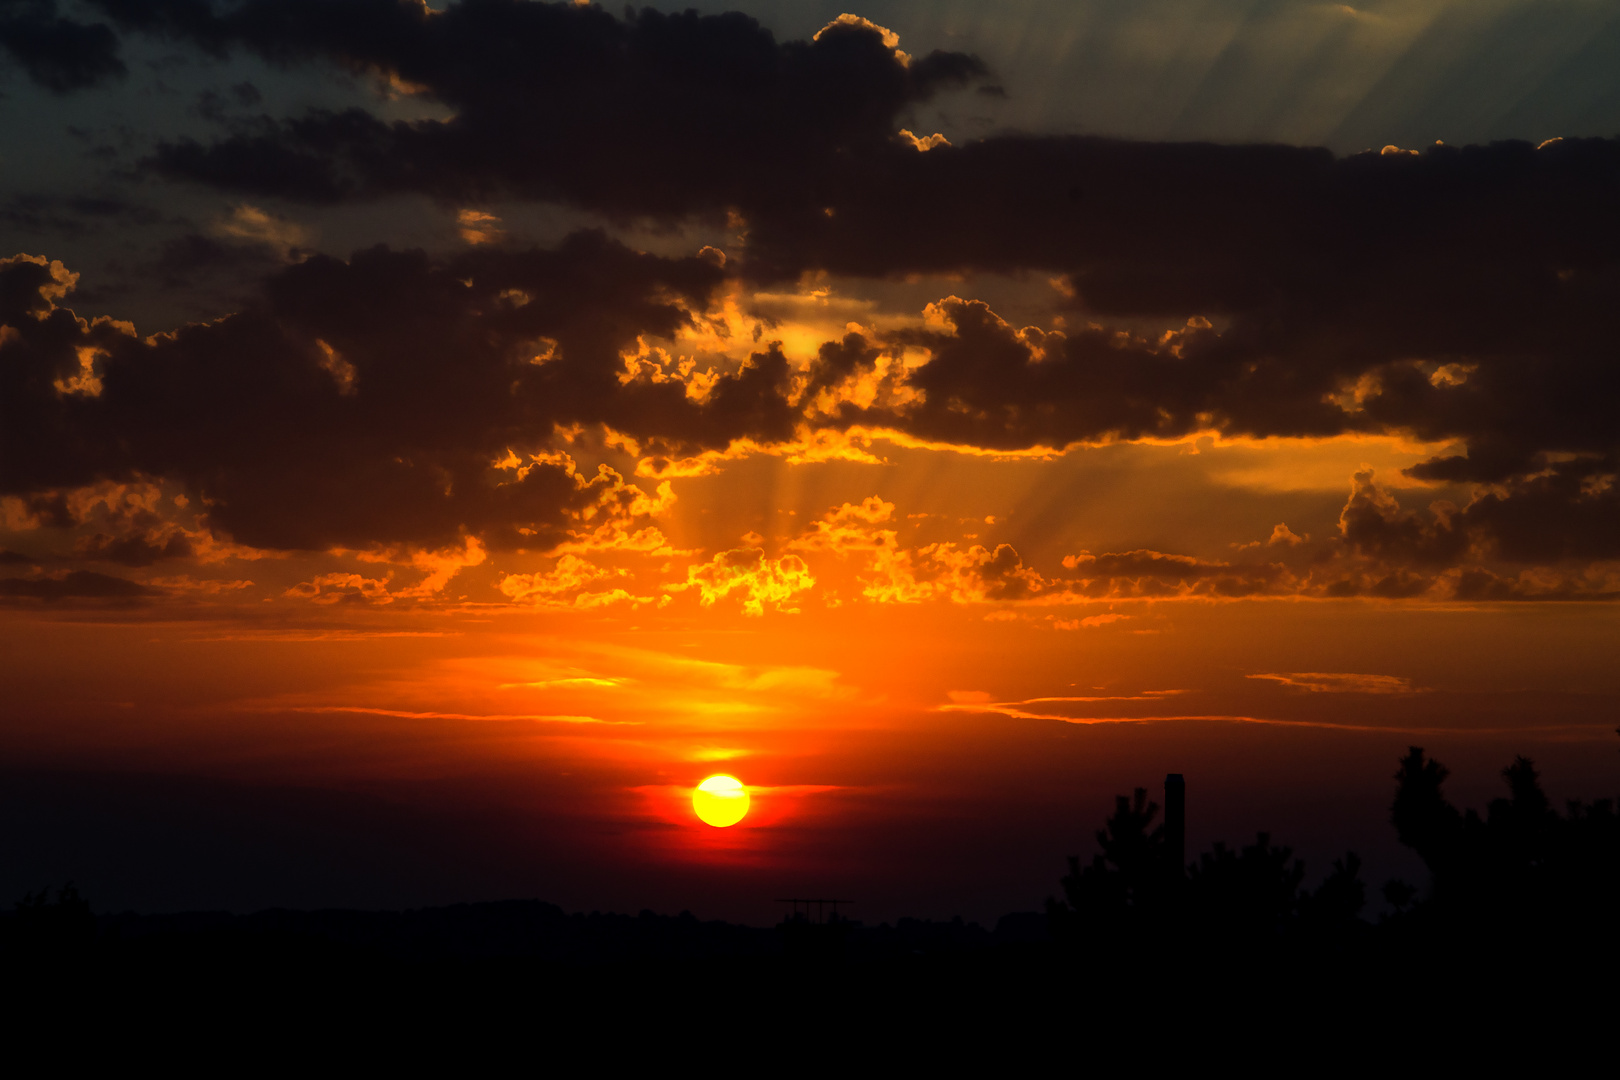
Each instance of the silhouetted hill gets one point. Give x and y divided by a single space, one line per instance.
511 929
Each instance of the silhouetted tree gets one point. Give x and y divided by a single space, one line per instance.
1423 820
1125 885
1253 891
1523 869
42 925
1130 891
1399 895
1335 907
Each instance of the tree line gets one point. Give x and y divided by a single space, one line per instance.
1522 873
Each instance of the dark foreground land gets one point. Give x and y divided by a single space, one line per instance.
1506 956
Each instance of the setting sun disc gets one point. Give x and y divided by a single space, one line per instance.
720 800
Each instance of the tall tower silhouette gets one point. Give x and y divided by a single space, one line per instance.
1175 822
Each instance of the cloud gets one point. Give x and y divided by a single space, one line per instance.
1151 575
396 445
1282 534
888 572
756 580
407 714
257 226
60 54
1325 274
479 227
1340 682
343 588
722 107
439 566
981 575
1459 295
572 582
849 528
1089 622
891 573
192 260
74 585
137 550
1374 524
1552 535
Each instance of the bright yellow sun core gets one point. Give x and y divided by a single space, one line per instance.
720 800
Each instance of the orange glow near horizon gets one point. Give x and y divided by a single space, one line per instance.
888 634
720 800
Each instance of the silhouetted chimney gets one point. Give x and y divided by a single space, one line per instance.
1175 822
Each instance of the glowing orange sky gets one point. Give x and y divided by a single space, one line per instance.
826 625
937 475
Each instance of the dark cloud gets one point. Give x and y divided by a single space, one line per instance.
367 402
16 558
58 53
192 258
655 114
1477 584
1567 512
838 361
1373 523
135 550
1146 574
48 439
1455 295
72 215
1001 574
1321 271
991 384
1549 537
1501 261
74 585
1145 563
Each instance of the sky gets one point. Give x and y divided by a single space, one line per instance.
433 439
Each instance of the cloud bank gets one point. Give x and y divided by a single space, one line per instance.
1457 295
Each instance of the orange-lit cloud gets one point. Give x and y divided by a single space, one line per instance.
572 582
479 227
756 579
1329 682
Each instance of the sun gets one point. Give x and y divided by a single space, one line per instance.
720 800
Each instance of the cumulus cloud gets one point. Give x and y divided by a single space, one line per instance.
981 575
889 572
573 582
1552 535
336 588
755 580
366 402
726 111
